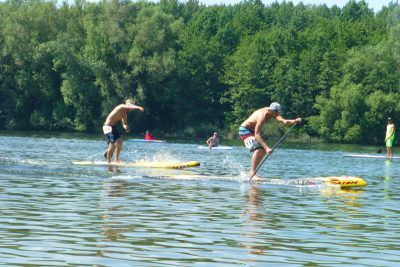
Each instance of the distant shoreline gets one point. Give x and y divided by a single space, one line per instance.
301 139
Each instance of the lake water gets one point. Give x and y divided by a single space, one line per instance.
54 213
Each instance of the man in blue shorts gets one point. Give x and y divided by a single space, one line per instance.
250 132
110 132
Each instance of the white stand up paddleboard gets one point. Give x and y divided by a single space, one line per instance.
215 147
147 164
370 156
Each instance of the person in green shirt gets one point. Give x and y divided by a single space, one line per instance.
389 138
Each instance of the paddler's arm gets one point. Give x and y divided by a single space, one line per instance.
209 142
124 120
131 107
390 135
287 122
257 134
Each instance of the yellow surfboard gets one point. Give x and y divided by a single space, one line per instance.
147 164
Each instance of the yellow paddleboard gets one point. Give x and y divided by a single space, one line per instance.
147 164
341 181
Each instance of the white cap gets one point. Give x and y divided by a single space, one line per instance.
276 107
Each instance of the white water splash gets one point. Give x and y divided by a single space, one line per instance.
234 166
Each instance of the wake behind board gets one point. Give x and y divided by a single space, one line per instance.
336 181
146 141
215 147
369 156
146 164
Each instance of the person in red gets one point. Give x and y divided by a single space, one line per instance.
148 136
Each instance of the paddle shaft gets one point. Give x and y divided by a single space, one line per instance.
273 148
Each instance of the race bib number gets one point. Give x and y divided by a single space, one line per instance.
107 129
250 142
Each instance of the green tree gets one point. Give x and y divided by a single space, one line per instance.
153 60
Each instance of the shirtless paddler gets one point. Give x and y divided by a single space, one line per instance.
111 134
250 132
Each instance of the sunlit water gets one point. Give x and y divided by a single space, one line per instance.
54 213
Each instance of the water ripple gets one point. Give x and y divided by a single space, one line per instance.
58 214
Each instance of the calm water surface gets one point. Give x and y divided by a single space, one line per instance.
54 213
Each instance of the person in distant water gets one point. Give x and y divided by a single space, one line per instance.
250 132
110 132
148 136
389 138
213 141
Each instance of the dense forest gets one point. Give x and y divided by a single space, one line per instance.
197 68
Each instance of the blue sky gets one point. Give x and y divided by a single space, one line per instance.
376 5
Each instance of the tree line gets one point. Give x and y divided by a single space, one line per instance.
197 68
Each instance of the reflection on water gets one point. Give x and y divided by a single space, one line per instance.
348 197
388 182
254 219
56 213
113 197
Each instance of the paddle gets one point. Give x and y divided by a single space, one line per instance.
380 149
273 148
122 136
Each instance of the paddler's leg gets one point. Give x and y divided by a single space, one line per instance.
110 152
111 137
389 145
389 152
258 155
118 147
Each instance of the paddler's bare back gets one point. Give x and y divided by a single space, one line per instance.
251 122
116 115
